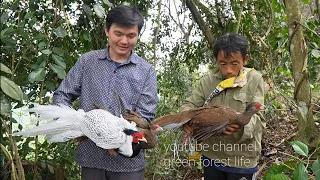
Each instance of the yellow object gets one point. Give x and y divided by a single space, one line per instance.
238 81
195 156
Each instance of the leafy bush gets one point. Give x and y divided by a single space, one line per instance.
297 167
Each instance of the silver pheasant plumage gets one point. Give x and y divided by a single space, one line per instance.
104 129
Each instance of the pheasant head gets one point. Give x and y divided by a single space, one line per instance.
251 109
136 135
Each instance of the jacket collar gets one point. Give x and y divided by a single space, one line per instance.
217 73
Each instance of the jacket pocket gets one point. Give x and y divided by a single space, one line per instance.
242 99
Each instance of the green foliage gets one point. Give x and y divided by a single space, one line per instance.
300 148
41 41
295 168
316 169
300 172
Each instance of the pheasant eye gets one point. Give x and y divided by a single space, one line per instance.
135 136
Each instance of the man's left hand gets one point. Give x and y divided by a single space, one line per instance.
232 128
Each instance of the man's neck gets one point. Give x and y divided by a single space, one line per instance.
118 58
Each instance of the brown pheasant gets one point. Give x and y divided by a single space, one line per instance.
149 131
208 121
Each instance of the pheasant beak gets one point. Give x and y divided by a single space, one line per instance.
259 106
159 129
143 139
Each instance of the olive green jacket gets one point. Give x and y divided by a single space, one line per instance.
243 148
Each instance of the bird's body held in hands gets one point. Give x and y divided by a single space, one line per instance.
209 120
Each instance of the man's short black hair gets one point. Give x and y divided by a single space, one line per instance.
124 16
231 43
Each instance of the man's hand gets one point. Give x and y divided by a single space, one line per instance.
187 128
81 139
232 128
112 152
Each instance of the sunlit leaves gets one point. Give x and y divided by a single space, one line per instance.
87 9
60 32
46 51
300 172
59 60
4 17
11 89
87 36
300 148
59 70
100 11
274 171
280 177
7 32
58 50
42 45
315 53
305 1
38 74
108 3
40 36
29 15
5 106
5 69
316 169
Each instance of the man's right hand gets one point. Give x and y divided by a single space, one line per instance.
81 139
187 128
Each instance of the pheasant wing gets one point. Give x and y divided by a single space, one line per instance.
174 121
135 117
211 121
203 133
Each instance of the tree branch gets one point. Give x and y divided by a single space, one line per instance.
318 8
156 35
198 19
240 15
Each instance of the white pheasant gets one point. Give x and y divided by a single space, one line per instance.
104 129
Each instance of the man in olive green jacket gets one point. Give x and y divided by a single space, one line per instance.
234 155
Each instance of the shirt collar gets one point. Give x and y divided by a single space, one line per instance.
104 55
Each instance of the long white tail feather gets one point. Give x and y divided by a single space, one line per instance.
53 127
64 136
48 112
68 119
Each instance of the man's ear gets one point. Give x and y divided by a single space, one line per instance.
246 59
106 31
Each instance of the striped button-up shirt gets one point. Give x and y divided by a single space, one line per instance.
96 79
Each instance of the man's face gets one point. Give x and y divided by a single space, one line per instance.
122 39
231 66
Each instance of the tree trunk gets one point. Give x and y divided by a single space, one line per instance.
318 8
202 25
308 131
